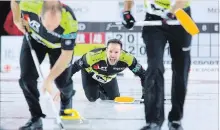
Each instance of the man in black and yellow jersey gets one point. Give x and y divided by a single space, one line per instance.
155 38
99 69
52 27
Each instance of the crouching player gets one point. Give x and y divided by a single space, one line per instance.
99 69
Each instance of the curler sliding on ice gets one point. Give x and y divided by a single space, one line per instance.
99 69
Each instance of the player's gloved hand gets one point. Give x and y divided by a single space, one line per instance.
167 15
128 20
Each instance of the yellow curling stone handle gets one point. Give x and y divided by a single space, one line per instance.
75 115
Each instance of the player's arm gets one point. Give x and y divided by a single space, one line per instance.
16 12
128 4
65 58
61 64
67 46
127 16
80 64
137 69
179 4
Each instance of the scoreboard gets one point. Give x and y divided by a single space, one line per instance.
204 45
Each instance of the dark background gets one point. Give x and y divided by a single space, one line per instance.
5 8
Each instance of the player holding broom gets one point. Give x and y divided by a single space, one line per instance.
52 28
155 38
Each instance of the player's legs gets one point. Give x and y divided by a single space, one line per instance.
63 82
28 80
110 89
180 42
90 86
155 41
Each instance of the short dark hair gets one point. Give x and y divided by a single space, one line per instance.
47 6
114 41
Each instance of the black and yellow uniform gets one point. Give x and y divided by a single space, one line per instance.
99 77
155 38
162 4
46 42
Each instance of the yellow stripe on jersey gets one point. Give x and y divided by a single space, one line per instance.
43 41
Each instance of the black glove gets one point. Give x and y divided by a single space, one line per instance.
167 16
128 20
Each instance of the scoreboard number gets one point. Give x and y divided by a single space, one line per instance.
121 37
141 50
131 38
204 27
132 49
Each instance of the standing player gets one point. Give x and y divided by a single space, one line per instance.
100 67
52 28
155 38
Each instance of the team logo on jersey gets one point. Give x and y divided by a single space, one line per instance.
103 68
97 67
137 68
80 63
35 25
118 68
68 42
100 78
